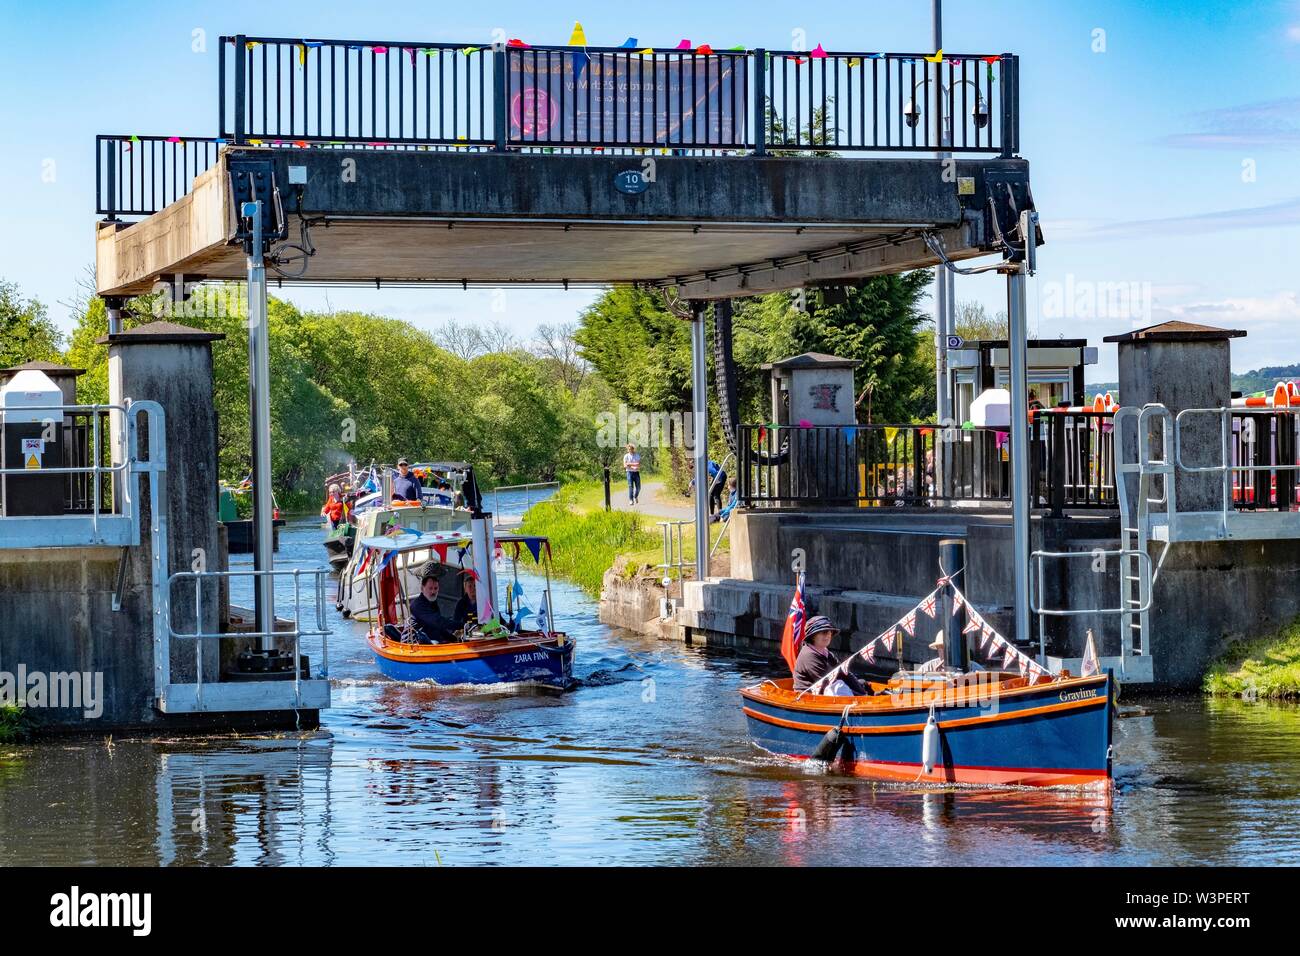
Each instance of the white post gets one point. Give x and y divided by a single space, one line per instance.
484 549
259 406
700 409
1017 305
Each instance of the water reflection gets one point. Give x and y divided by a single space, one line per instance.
646 762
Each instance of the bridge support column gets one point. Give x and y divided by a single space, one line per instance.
1018 347
700 410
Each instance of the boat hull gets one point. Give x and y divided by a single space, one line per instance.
1011 734
543 661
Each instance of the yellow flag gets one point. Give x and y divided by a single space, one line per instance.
890 435
302 54
579 38
855 61
648 52
937 58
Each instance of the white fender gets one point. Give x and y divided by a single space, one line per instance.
930 743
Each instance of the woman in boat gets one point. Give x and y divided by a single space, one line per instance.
467 607
431 627
816 660
333 508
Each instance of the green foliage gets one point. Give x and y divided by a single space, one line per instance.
27 333
1267 669
641 349
14 723
585 544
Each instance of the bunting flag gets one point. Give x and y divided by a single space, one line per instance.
629 44
855 61
579 60
850 432
441 551
890 435
971 627
937 58
804 423
302 53
1024 665
379 49
871 653
887 641
762 430
957 601
875 56
818 53
1010 656
516 43
908 622
704 49
684 45
928 605
991 59
579 36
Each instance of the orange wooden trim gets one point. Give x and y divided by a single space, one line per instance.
784 696
943 724
449 653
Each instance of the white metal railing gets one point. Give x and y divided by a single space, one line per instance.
528 490
674 556
1036 592
294 632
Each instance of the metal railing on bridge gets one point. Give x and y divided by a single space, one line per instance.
295 92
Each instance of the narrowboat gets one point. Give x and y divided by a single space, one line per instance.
495 646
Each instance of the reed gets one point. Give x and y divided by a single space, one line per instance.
584 544
1266 669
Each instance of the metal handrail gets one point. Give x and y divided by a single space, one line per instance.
295 633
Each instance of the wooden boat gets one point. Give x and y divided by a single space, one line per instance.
991 728
500 653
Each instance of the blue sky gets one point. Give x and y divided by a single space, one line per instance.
1166 159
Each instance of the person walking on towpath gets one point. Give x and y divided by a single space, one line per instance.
632 466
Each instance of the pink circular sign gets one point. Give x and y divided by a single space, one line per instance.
533 112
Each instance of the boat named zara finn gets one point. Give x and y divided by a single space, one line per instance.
1014 725
494 646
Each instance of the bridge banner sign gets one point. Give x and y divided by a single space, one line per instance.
627 99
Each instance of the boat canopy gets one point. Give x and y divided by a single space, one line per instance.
412 541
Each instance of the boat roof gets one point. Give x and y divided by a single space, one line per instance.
426 539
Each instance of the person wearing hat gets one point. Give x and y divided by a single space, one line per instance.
430 626
467 607
935 663
816 660
406 487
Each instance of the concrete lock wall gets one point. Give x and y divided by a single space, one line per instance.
56 610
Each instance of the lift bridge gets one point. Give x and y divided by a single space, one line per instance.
379 163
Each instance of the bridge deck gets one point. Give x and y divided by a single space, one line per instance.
713 226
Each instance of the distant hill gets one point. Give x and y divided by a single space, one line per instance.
1258 380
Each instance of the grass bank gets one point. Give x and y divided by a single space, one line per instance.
1268 668
584 543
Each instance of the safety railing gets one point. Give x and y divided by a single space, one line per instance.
1257 452
1072 455
293 630
1038 588
297 92
139 175
506 95
1071 460
59 462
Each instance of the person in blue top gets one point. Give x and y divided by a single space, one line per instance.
406 487
717 482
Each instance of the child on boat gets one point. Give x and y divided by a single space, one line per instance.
816 659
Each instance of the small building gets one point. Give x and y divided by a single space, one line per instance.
1056 370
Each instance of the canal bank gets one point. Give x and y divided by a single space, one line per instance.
646 762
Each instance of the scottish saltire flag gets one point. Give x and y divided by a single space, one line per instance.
1091 665
792 634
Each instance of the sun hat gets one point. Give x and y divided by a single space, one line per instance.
818 624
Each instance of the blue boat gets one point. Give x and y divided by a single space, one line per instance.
985 728
502 651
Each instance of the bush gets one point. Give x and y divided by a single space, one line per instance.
13 723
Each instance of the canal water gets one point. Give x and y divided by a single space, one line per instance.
646 762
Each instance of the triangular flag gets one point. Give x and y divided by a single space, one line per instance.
937 58
1024 666
534 546
302 54
1090 664
871 653
704 49
629 43
517 44
971 627
888 641
909 622
855 61
818 53
957 600
1009 658
850 432
684 45
890 435
379 49
579 37
928 605
992 59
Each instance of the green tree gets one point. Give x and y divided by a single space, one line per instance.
27 334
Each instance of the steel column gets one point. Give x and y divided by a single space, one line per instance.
1017 307
700 410
259 406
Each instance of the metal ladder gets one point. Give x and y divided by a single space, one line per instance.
1135 519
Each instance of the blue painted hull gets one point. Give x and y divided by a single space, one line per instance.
1056 734
523 663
